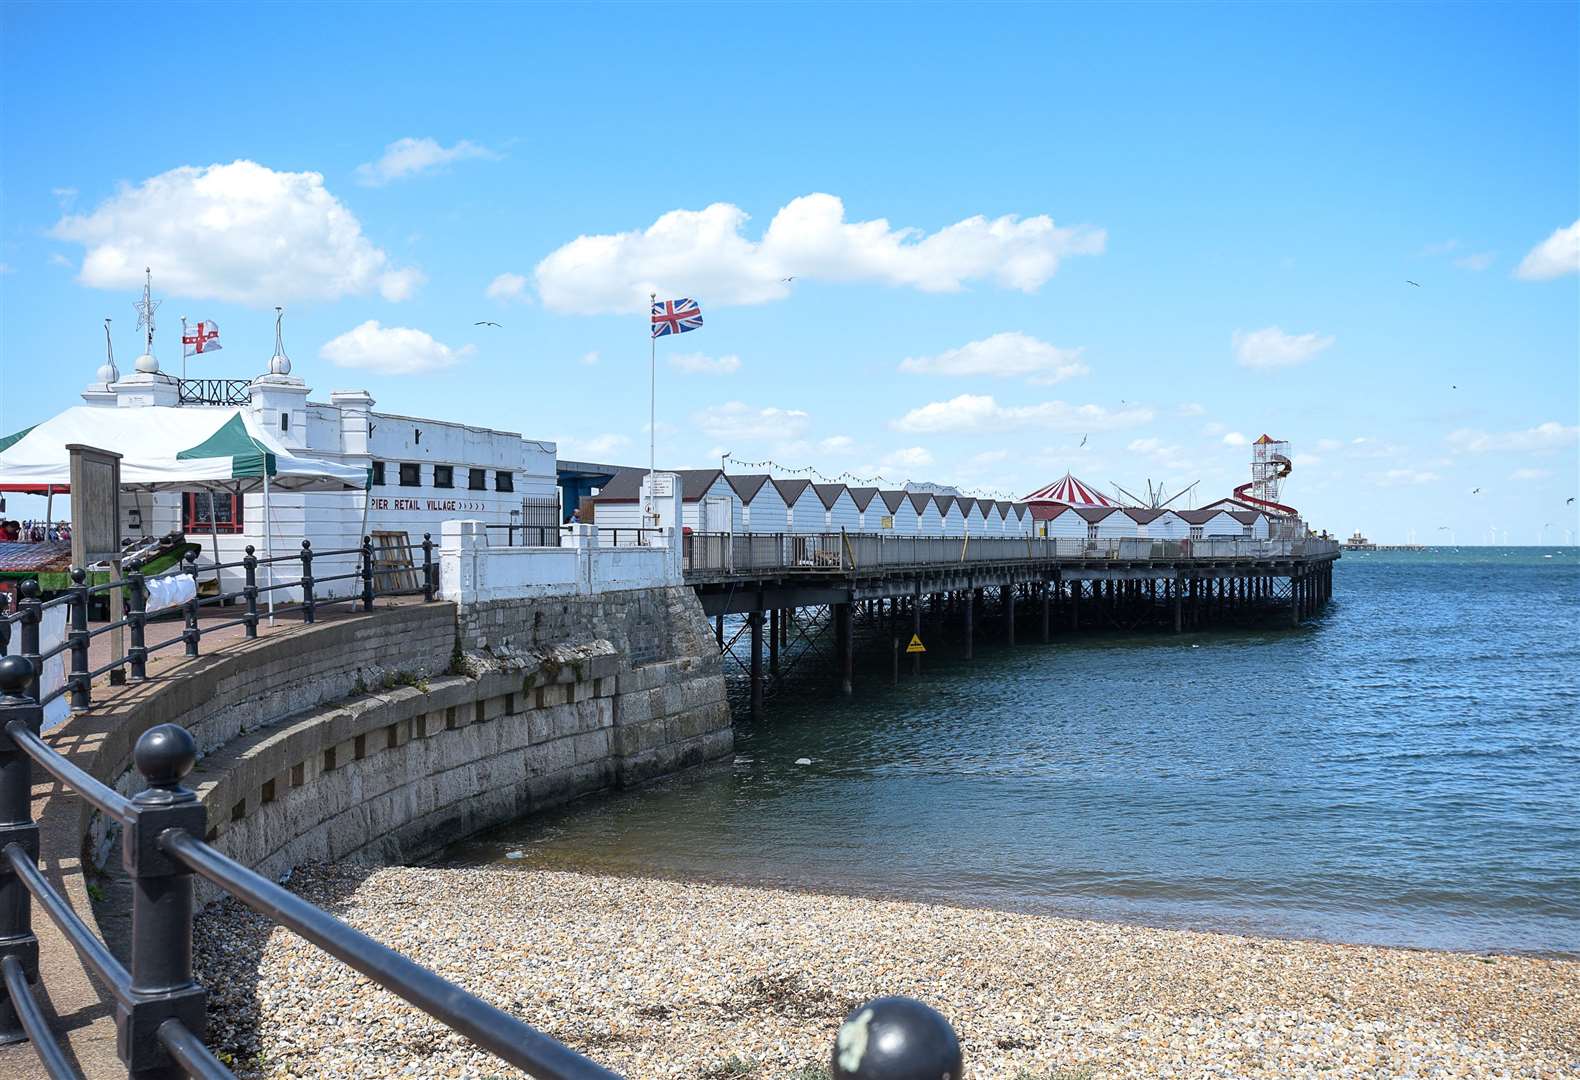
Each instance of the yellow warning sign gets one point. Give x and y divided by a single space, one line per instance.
916 644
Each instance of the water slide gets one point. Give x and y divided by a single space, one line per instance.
1285 467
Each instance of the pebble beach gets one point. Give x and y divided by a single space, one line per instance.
659 978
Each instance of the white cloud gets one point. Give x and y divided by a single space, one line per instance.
835 444
589 359
698 364
1530 474
1404 478
408 157
240 232
1270 347
737 420
594 447
980 412
706 254
1479 261
1547 436
64 197
1192 408
391 350
912 457
1234 438
507 287
1554 257
1006 354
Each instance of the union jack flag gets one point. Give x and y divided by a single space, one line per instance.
675 316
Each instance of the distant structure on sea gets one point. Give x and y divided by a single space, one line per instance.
1358 542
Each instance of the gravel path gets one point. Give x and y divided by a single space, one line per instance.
660 978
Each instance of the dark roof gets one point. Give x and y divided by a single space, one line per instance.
747 485
1140 515
1046 511
791 490
1245 517
1096 513
892 499
829 493
945 502
627 486
1200 517
919 500
1004 509
863 497
594 467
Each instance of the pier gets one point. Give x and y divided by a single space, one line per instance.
806 585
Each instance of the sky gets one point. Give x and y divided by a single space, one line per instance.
977 246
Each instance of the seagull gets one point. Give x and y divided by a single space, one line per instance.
787 280
1476 492
1453 386
1083 442
1569 500
1417 284
487 322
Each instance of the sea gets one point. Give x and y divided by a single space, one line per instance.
1404 769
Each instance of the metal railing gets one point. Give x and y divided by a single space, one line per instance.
161 1011
213 391
754 553
370 577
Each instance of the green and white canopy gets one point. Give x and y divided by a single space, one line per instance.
168 447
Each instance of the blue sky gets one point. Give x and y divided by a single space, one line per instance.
1164 229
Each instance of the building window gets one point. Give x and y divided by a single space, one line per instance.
195 516
410 474
504 481
378 473
285 421
477 479
1091 532
443 476
1195 532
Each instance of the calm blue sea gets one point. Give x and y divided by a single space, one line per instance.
1403 770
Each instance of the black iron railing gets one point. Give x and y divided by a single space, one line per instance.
213 391
161 1011
372 575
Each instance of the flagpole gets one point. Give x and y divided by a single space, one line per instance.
184 362
652 402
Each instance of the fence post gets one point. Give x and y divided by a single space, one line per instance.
367 573
191 634
16 827
136 622
249 564
427 568
5 624
308 609
162 988
80 698
29 607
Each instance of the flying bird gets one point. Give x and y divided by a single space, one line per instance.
1083 442
487 322
1417 284
1569 500
787 280
1476 492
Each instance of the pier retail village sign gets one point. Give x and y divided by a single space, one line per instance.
437 506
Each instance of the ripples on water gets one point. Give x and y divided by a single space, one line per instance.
1405 770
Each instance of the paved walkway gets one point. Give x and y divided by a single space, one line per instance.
81 1011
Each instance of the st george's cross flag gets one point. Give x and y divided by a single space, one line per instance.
675 317
202 338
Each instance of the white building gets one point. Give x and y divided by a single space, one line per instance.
762 507
868 506
839 508
423 471
953 518
805 511
898 513
929 522
708 503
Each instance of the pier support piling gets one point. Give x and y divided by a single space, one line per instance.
847 649
755 620
1046 612
970 620
1009 612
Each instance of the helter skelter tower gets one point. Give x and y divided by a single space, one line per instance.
1270 463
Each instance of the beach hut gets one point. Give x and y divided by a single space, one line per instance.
898 513
804 509
1107 522
708 502
1254 524
977 518
950 512
928 520
868 507
1004 525
839 509
1022 519
1168 525
1209 523
762 509
1064 523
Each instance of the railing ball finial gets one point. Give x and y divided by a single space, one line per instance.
28 590
250 549
307 545
896 1038
165 753
15 672
78 575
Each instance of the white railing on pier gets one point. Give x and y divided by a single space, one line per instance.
748 553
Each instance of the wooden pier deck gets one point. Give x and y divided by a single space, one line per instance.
894 581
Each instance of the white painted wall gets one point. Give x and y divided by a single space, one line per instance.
769 514
929 522
842 515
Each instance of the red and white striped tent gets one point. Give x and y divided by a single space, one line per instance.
1071 492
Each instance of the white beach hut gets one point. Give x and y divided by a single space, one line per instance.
929 522
868 507
839 508
1107 523
1209 523
898 513
708 503
951 515
762 508
804 508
